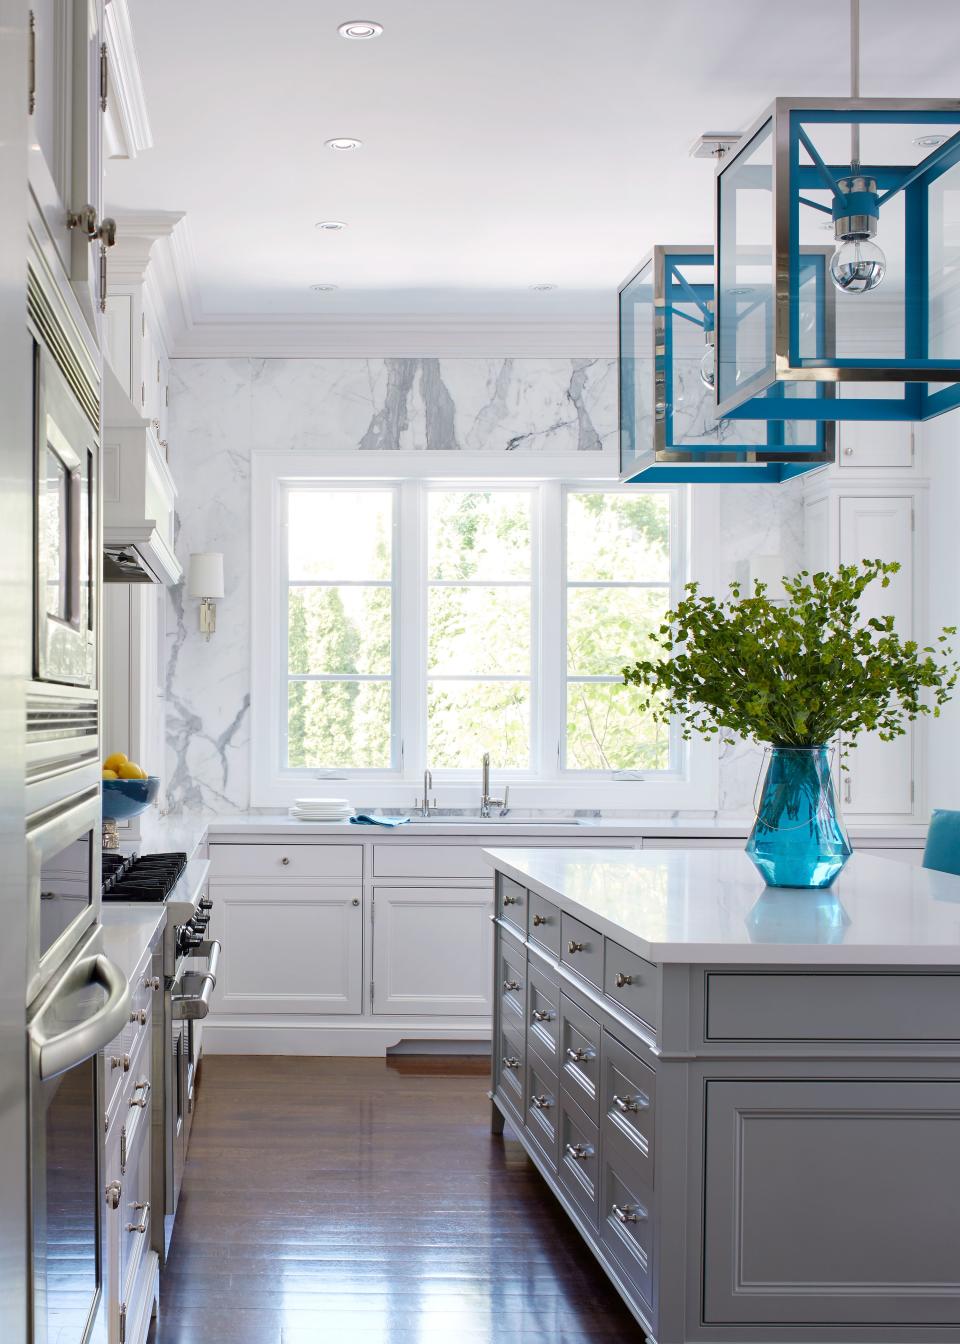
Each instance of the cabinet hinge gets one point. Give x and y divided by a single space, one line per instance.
913 518
123 1323
104 76
143 395
912 791
371 993
123 1151
32 65
166 395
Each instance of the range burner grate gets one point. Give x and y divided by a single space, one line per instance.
150 877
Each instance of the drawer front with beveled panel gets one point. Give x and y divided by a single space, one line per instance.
543 923
135 1204
297 862
581 949
628 1095
626 1216
632 982
580 1056
509 1068
512 903
511 982
543 1014
579 1159
542 1111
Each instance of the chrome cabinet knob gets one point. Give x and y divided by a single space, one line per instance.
620 980
139 1016
573 946
143 1087
285 861
581 1151
628 1103
848 452
542 1103
510 984
511 1062
113 1193
355 901
120 1062
511 900
542 1015
628 1213
151 982
540 919
578 1056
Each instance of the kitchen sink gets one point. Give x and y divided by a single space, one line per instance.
494 821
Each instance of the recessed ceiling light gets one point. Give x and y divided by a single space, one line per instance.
331 225
543 287
323 289
929 141
360 30
343 143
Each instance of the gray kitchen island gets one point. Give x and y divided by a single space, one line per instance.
747 1100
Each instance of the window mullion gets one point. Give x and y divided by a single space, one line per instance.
550 569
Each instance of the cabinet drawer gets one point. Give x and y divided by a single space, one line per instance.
821 1007
543 1015
508 1068
301 862
542 1112
632 982
403 859
579 1154
126 1062
628 1101
580 1056
626 1210
512 903
511 981
543 923
135 1207
581 948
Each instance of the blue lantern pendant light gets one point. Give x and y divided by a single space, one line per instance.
669 429
883 177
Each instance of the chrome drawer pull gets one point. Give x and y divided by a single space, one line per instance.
511 1062
151 982
581 1151
285 861
511 900
510 984
139 1016
113 1192
542 1103
628 1103
578 1055
120 1062
140 1227
629 1213
143 1087
540 919
542 1015
622 980
575 947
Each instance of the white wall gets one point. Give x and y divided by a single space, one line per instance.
940 446
512 409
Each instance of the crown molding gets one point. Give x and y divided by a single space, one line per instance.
397 336
126 124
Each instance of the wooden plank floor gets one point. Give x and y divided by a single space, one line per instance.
357 1201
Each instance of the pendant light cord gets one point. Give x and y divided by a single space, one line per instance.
855 82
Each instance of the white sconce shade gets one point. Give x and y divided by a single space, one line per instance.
768 569
206 574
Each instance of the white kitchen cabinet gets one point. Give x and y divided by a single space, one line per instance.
432 949
874 444
293 947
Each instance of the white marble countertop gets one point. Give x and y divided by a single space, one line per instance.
129 927
711 905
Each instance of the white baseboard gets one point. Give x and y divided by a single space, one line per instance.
362 1039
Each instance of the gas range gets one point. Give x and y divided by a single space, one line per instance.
156 877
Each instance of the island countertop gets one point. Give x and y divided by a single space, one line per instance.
711 906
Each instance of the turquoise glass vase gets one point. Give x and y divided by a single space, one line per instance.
798 838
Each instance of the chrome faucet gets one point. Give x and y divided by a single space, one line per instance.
486 802
426 807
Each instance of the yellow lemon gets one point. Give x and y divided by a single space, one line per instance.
129 770
115 761
110 774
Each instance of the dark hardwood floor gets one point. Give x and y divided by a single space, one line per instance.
355 1201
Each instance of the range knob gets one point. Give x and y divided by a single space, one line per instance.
189 938
206 903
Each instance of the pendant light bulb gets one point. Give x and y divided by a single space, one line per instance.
857 266
708 368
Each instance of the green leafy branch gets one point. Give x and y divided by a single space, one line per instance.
793 674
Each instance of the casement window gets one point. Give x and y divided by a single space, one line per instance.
407 625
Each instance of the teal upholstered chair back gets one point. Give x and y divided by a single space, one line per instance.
943 842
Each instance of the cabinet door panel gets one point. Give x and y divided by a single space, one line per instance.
51 140
431 950
832 1202
874 444
293 949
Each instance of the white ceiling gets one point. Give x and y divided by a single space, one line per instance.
506 142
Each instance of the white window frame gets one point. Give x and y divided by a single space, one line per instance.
692 786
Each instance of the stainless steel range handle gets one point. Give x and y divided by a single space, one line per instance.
194 1002
58 1051
211 950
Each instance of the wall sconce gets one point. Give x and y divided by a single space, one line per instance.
206 582
769 570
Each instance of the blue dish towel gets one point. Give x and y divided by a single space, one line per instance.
364 819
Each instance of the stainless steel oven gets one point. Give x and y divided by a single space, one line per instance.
79 1012
63 877
66 528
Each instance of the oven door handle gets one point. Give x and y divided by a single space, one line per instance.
195 1002
211 950
56 1052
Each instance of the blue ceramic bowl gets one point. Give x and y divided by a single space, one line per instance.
123 798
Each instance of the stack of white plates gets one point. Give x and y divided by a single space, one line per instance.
321 809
